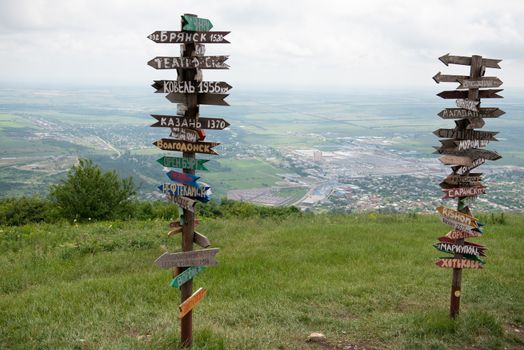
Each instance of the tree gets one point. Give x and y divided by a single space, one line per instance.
90 193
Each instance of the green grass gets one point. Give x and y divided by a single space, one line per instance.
365 280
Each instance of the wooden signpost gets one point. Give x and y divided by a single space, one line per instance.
463 150
187 135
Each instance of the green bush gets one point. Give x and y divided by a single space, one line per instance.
23 210
89 193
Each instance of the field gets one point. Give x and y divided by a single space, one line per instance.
366 281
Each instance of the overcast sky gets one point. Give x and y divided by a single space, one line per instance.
282 43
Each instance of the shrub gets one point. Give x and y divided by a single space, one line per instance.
23 210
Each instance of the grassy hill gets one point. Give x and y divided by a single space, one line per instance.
366 281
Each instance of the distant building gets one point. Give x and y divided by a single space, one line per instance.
317 156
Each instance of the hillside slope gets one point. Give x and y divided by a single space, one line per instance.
366 281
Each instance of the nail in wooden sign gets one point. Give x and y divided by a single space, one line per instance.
458 216
183 178
184 146
183 202
467 104
466 61
194 24
491 93
203 257
459 263
461 170
460 113
466 134
484 82
184 134
205 62
183 163
169 121
457 234
201 240
191 302
191 87
463 192
203 99
179 37
186 275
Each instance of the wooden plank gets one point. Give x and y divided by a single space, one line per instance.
205 62
196 24
191 302
482 249
184 190
467 104
463 192
466 134
175 121
185 134
203 257
452 214
180 37
465 180
191 87
471 153
457 234
445 78
203 99
183 178
490 93
186 275
460 170
201 240
184 146
183 163
183 202
459 226
460 113
462 145
479 83
459 263
466 61
456 160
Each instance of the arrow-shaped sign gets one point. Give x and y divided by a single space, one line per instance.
184 190
183 178
457 234
191 87
461 145
203 99
183 163
191 302
459 263
466 61
445 78
174 121
466 134
186 275
201 240
178 37
192 23
183 202
460 170
490 93
184 146
204 257
479 83
460 113
205 62
456 160
466 249
463 192
472 153
458 216
465 180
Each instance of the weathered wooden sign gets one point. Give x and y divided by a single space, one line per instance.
173 121
191 302
184 190
186 275
183 178
456 160
461 170
466 61
183 163
191 87
459 263
183 202
463 192
463 180
184 146
467 104
491 93
177 37
471 153
174 231
462 145
457 234
459 113
201 240
466 134
204 257
185 134
446 78
455 215
194 24
205 62
203 99
479 83
468 248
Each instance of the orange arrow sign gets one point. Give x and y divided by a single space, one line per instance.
191 302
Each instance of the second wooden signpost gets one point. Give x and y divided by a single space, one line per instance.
187 136
462 149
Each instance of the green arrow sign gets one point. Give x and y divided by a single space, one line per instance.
186 163
196 24
185 276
